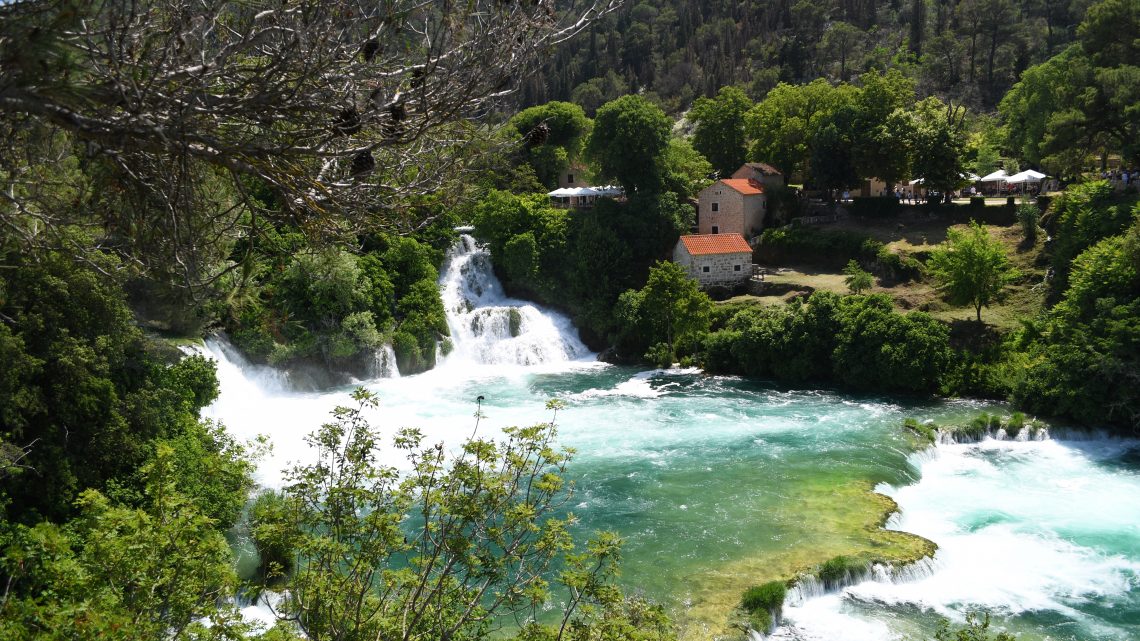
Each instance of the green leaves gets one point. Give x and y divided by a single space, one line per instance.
628 143
439 550
971 267
719 134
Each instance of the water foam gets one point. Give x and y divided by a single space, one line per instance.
488 327
1022 527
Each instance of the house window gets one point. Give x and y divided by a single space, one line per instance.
705 269
716 229
569 178
736 268
716 206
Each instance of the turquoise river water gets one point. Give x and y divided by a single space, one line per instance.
717 483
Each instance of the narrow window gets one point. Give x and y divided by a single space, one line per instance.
716 206
705 269
716 229
736 268
569 178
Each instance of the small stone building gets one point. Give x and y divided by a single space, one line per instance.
715 259
573 176
732 206
762 173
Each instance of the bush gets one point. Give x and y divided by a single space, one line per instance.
269 533
1016 422
769 596
857 341
1028 216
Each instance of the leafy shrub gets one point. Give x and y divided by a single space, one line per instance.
857 341
1028 215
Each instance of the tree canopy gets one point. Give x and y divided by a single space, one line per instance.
629 141
972 267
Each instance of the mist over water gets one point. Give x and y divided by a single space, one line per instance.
706 475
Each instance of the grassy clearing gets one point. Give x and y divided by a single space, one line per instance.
918 235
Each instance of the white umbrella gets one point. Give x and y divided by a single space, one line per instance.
996 176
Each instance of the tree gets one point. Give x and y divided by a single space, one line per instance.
971 267
882 145
686 170
842 41
938 145
719 133
155 572
670 310
782 124
857 279
442 550
629 141
554 135
335 107
832 166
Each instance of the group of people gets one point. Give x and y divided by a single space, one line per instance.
1122 177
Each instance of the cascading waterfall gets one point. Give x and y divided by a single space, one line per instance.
487 327
384 363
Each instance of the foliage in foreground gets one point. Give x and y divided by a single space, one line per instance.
446 549
85 399
974 630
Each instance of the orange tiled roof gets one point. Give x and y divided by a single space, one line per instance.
746 186
700 244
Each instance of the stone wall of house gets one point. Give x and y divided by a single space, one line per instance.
577 172
729 217
755 208
723 269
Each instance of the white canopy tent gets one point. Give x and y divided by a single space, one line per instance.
997 176
583 196
1027 176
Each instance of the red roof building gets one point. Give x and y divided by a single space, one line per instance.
746 186
715 259
701 244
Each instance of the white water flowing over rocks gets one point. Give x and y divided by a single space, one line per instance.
1023 527
488 328
258 400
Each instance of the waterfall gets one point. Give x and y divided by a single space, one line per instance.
384 363
488 327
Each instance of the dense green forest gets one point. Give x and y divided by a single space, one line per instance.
162 181
966 51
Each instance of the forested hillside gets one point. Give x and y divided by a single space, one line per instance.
970 51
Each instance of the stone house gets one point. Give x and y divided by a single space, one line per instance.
574 175
732 206
715 259
762 173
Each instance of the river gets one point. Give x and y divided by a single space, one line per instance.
719 483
